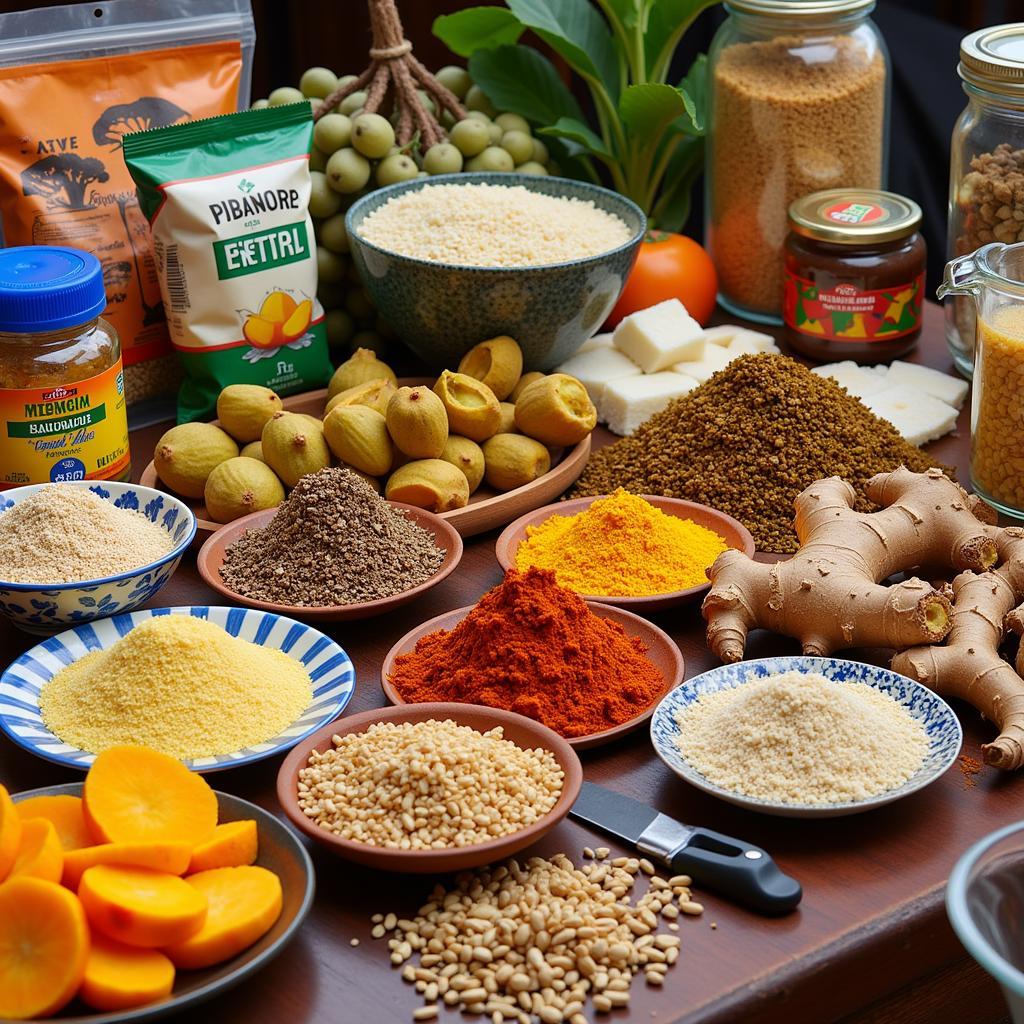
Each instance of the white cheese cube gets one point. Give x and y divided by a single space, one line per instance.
597 341
722 334
918 417
594 369
761 341
631 401
742 346
714 359
859 381
656 337
949 389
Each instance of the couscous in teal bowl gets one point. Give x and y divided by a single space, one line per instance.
441 310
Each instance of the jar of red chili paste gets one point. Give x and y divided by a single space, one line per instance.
854 275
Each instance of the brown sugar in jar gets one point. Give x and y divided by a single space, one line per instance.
854 276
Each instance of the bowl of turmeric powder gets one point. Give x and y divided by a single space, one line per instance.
639 552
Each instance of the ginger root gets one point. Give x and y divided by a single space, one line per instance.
969 666
829 595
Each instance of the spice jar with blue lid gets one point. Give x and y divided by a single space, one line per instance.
62 405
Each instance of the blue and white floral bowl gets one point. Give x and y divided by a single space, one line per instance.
329 667
941 725
47 608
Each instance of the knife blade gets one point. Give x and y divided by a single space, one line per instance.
738 870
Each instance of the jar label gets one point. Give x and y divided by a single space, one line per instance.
848 313
65 432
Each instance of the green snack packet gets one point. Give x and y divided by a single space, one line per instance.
227 199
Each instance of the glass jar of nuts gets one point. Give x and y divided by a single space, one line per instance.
986 179
798 103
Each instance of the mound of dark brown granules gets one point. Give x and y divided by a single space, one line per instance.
748 441
333 541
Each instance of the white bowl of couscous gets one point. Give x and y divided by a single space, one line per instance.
455 259
83 550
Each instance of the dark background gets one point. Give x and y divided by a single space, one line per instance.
922 35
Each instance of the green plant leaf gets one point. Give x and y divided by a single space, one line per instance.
672 209
477 28
694 88
574 130
667 21
648 109
575 30
523 81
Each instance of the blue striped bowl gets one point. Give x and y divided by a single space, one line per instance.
49 607
941 726
328 665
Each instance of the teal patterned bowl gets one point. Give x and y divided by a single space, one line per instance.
441 310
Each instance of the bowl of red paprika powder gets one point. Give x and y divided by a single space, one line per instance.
589 671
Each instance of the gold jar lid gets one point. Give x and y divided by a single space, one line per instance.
850 216
791 8
993 58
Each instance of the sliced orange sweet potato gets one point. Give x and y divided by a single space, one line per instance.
172 858
243 903
137 795
39 854
261 332
140 907
66 814
44 943
296 324
119 977
234 843
10 833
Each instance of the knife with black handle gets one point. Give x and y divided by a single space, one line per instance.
733 868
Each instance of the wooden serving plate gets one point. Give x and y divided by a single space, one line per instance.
487 508
732 531
662 652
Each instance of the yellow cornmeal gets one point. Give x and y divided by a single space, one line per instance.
621 546
179 684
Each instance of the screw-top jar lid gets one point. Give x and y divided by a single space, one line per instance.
849 216
48 288
993 58
791 8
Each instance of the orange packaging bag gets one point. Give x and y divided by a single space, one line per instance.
73 81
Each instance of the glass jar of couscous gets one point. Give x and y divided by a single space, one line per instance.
994 278
62 404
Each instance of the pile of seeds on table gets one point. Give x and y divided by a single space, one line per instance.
535 941
429 785
333 541
748 441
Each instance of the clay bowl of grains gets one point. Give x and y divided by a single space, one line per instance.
334 550
83 550
458 258
643 553
429 788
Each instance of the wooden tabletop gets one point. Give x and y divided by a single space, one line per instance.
870 942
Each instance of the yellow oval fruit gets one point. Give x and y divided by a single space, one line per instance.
524 382
374 393
253 450
512 460
508 418
187 454
297 324
417 422
359 437
239 486
498 363
556 410
429 483
243 410
467 456
293 447
472 409
360 368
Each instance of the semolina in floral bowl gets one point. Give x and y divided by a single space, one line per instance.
51 607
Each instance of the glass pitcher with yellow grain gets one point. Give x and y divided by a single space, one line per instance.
994 277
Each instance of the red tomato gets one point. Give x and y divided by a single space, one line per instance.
669 266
